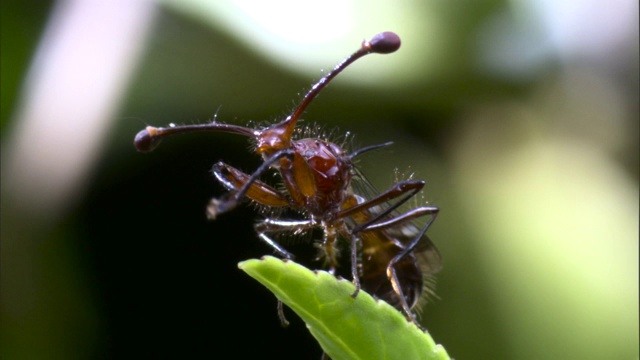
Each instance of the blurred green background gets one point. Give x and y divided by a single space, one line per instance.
522 116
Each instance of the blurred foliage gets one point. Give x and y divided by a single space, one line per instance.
20 27
532 158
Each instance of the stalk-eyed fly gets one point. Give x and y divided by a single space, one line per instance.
390 256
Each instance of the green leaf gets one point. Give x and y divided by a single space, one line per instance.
346 328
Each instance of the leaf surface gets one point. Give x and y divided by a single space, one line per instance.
346 328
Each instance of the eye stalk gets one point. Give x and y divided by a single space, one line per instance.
146 140
383 43
149 138
277 136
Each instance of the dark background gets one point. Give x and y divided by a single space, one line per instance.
531 152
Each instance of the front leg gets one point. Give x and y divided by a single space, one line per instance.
241 184
272 226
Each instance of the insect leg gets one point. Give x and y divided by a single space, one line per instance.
354 264
242 185
283 320
403 218
234 179
391 271
269 225
408 188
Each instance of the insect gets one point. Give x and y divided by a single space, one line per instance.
390 256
